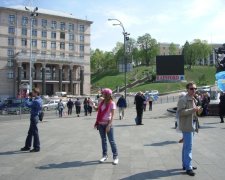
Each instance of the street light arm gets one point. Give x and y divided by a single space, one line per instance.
120 23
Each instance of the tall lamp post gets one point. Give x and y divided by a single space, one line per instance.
33 13
125 35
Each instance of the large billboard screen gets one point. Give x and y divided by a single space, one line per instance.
170 68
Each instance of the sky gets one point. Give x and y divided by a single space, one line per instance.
167 21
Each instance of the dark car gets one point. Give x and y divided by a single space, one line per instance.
14 106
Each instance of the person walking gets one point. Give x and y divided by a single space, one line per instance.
70 106
103 123
60 107
139 102
121 104
89 105
34 102
222 107
78 107
85 103
186 109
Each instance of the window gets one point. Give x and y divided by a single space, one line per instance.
24 31
71 46
24 21
44 23
12 19
81 48
71 37
62 35
34 22
44 34
81 38
24 42
44 44
11 41
34 32
10 74
53 45
34 43
10 62
62 26
62 45
54 24
53 35
71 27
81 28
62 55
71 55
11 30
10 52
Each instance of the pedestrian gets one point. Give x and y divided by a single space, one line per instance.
90 106
139 102
103 123
70 106
150 101
122 105
34 102
187 109
222 107
60 107
78 107
85 103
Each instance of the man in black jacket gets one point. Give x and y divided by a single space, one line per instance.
139 102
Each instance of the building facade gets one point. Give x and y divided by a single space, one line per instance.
53 46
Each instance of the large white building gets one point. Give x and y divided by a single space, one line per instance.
58 44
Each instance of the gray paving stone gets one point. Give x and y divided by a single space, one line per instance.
71 148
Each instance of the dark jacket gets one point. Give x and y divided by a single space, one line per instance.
139 101
35 105
121 102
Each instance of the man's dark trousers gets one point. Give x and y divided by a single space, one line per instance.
33 132
139 115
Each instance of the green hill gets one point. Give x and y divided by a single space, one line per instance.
202 75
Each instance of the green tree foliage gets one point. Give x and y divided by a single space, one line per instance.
196 52
173 49
148 47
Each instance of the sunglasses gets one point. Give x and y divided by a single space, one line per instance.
193 89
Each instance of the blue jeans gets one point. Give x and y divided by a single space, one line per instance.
102 132
33 132
187 150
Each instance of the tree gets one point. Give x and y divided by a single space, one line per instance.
173 49
196 52
148 47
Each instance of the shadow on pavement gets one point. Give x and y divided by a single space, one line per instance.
13 152
68 165
162 143
212 123
206 127
155 174
124 125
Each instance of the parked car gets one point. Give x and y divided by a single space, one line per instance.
152 93
52 104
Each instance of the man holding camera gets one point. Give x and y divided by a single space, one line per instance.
35 103
187 110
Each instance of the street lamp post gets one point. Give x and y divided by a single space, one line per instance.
33 13
125 35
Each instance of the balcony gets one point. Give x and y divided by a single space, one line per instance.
39 58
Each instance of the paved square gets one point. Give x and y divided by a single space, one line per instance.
70 148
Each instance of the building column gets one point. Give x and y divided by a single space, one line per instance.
71 80
81 80
60 78
43 79
19 77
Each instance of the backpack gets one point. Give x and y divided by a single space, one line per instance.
41 115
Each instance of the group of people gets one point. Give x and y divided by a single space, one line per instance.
187 110
87 104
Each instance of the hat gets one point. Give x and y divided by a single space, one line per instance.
107 91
